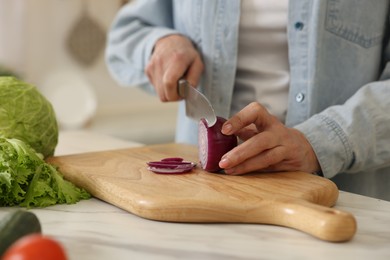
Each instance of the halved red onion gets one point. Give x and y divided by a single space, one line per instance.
173 165
213 144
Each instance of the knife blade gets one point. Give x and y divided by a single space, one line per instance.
197 105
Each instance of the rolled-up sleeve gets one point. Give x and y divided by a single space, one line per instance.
353 137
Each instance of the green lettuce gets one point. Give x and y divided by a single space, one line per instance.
28 181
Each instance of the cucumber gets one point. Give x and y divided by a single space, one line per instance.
15 225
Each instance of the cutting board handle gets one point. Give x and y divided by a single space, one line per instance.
322 222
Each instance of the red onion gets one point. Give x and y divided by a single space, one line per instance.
213 144
172 159
172 165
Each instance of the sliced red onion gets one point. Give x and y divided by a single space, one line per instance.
172 159
213 144
168 164
173 165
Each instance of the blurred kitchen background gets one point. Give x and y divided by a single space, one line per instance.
58 45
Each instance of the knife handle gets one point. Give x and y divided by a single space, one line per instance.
182 88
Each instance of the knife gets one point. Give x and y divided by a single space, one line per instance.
197 105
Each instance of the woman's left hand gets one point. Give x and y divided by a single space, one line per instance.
268 144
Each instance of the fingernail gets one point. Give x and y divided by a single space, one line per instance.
227 128
224 162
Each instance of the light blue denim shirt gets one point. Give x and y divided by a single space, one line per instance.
339 93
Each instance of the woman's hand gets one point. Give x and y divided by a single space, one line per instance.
268 144
174 57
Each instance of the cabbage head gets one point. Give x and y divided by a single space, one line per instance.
25 114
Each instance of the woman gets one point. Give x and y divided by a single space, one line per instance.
322 104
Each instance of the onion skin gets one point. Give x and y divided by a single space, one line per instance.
213 144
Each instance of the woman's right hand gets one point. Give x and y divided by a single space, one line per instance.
174 57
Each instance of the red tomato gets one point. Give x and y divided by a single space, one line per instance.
33 247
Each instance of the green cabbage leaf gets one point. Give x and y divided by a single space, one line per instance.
27 180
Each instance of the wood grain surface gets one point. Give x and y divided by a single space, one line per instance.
293 199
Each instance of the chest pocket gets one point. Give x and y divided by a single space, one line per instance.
344 19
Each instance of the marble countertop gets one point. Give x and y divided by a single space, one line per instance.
93 229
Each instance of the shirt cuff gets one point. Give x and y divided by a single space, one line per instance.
329 142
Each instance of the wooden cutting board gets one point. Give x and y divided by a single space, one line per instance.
293 199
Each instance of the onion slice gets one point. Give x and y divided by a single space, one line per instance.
213 144
172 159
173 165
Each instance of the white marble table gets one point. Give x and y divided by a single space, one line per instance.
93 229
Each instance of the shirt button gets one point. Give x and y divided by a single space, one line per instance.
298 26
299 97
